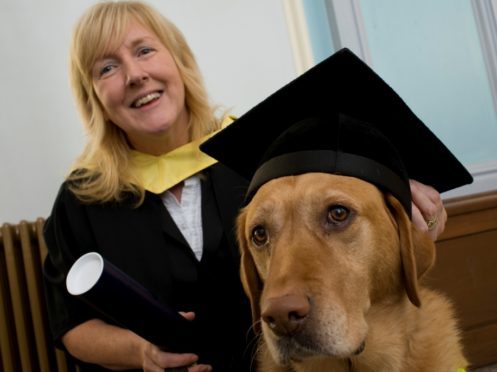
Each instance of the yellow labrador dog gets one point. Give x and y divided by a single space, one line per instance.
332 267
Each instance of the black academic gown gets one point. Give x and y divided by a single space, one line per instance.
146 244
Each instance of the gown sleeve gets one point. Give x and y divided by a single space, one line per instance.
68 235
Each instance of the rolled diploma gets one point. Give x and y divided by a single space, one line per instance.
126 302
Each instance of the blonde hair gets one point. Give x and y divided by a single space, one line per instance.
102 170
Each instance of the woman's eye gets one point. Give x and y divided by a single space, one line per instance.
337 214
105 69
144 51
259 235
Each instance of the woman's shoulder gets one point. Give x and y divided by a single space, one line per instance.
66 200
85 187
69 195
74 180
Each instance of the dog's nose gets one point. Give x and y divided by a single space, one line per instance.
286 315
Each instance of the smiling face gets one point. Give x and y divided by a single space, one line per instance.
141 91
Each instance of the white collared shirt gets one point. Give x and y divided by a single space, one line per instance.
188 213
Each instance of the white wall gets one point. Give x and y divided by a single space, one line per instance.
242 47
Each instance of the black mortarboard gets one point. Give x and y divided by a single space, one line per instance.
339 117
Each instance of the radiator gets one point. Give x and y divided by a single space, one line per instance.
25 342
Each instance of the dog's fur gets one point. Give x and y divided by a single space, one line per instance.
334 280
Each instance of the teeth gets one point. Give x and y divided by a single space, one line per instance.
144 100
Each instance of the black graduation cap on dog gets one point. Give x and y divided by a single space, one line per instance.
339 117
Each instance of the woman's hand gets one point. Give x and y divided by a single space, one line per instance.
428 211
115 348
157 360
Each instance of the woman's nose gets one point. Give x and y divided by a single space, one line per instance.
135 74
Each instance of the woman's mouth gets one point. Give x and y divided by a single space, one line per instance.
142 101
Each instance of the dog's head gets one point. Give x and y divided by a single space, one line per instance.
317 252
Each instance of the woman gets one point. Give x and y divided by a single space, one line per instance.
144 106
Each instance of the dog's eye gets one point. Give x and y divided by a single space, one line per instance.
259 235
337 214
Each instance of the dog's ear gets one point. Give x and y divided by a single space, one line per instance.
417 250
251 281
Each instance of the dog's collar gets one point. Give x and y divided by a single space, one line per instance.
330 161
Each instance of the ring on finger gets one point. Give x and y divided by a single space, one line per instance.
432 222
